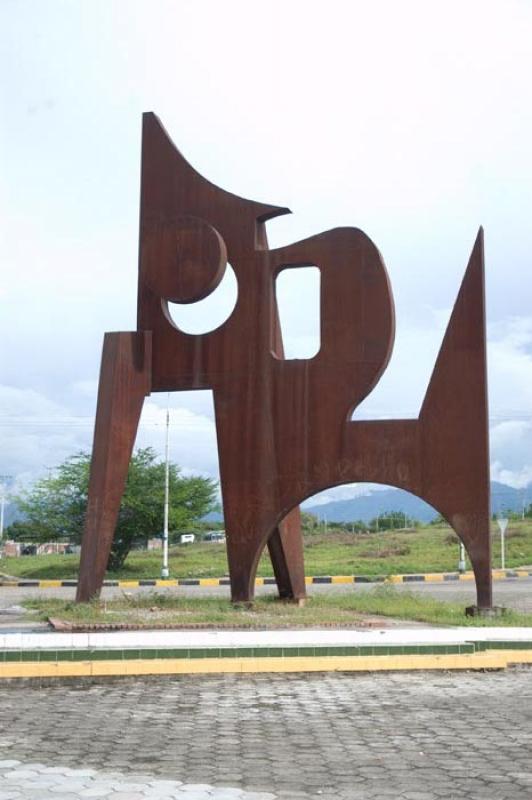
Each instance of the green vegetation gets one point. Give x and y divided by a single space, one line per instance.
432 548
54 508
267 612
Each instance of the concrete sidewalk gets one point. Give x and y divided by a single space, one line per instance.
98 654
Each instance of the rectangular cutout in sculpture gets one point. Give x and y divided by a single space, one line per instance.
297 296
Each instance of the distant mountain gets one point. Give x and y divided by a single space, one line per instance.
213 516
505 498
366 507
369 506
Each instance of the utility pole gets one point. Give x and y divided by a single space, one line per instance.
164 571
4 481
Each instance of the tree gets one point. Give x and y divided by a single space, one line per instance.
392 519
54 508
309 522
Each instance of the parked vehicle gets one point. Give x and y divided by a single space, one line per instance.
214 536
187 538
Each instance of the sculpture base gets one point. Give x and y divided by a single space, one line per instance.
293 601
488 612
242 605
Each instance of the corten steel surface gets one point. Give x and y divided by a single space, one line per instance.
284 426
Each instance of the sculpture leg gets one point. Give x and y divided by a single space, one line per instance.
482 570
285 546
474 530
243 557
124 382
251 507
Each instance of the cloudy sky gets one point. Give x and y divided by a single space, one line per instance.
411 120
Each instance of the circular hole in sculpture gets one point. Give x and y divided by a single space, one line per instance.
210 313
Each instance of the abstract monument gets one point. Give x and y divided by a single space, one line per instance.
284 426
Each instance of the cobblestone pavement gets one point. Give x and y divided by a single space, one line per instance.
415 736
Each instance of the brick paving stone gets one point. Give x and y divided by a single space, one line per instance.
55 771
258 796
69 786
127 795
290 736
192 795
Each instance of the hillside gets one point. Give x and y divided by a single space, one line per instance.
371 505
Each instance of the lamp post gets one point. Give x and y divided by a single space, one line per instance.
2 504
164 571
4 482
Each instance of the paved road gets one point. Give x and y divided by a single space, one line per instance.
512 593
347 737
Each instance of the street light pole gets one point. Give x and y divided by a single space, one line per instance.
164 571
4 482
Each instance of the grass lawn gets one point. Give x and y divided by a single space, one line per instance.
267 612
426 549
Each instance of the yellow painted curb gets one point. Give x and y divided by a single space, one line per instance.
499 659
411 579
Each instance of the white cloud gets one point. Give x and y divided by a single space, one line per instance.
192 435
37 434
511 452
395 117
346 492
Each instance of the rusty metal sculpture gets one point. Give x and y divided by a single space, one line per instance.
284 426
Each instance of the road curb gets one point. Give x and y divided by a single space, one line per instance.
61 666
429 577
